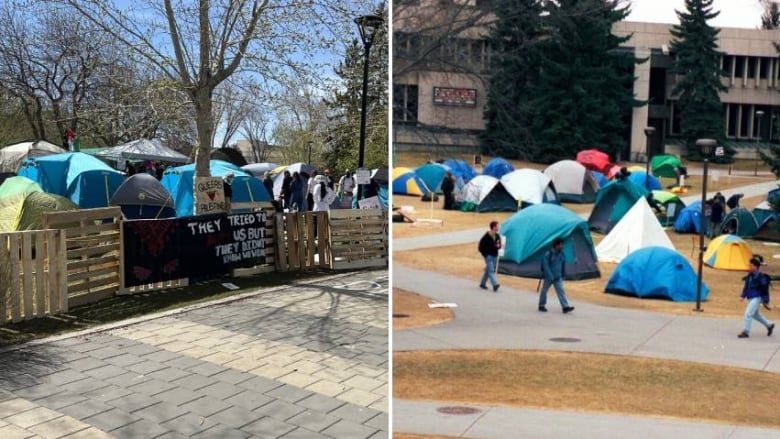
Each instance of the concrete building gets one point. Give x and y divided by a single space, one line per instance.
442 108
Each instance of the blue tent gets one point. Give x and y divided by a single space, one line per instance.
460 169
600 178
638 178
178 182
82 178
432 174
497 167
656 273
529 234
772 194
689 219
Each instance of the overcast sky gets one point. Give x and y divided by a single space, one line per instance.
733 13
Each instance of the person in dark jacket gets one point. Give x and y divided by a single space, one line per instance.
553 272
448 188
716 217
488 247
296 193
286 192
733 201
756 291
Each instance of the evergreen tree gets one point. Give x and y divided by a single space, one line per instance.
585 82
698 64
513 65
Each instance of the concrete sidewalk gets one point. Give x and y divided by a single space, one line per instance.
306 360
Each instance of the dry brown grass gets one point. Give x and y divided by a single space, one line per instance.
416 311
590 382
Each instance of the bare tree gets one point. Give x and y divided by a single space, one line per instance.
231 108
254 128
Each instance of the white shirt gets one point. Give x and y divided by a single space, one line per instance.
320 204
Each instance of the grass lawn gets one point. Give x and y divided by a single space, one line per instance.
411 310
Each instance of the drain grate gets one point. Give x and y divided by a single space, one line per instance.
400 316
458 410
565 340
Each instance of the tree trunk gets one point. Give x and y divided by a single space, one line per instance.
205 126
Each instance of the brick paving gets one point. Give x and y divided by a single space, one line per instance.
308 360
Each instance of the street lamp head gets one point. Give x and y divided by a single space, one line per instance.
706 146
759 113
649 131
369 25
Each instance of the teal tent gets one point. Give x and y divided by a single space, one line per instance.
530 232
739 222
612 202
432 174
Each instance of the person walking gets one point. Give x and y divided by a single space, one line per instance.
488 247
448 188
756 291
553 272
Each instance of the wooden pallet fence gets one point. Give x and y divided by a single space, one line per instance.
32 275
358 238
94 257
270 237
296 244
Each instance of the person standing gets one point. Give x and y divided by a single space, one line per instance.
311 184
227 186
286 194
296 193
756 291
448 188
716 217
321 197
488 247
346 186
553 272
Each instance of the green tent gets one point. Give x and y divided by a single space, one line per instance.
25 211
668 199
663 166
612 202
740 222
18 185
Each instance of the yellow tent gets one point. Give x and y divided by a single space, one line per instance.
728 252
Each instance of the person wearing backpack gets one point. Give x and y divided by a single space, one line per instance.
756 291
488 247
553 272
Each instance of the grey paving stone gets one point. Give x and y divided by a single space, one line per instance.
193 381
39 391
222 432
124 360
178 396
302 433
111 419
133 402
86 385
64 377
161 356
108 393
313 421
105 372
145 367
59 400
183 362
221 390
379 435
6 395
268 428
152 387
236 417
85 364
260 384
85 409
85 346
189 424
141 429
289 393
206 406
207 369
233 376
280 410
160 412
127 379
380 422
348 430
172 435
106 352
320 403
249 400
168 374
355 413
141 349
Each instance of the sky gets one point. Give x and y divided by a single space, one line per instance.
733 13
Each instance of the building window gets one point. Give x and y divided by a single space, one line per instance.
732 120
739 71
752 67
727 61
764 71
405 99
744 120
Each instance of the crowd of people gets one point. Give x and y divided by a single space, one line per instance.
315 192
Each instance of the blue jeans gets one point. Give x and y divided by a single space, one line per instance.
558 284
490 271
751 312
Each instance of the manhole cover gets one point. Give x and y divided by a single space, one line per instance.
565 340
458 410
400 316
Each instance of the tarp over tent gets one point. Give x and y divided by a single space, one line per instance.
530 186
656 273
432 174
664 165
612 202
739 222
529 234
84 179
728 252
638 178
143 149
487 194
259 169
406 182
142 196
304 169
593 159
179 182
25 211
12 156
497 167
638 228
689 219
18 185
572 181
460 169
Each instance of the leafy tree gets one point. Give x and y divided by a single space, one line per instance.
698 66
770 19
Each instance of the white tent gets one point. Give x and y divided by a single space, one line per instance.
637 229
12 156
530 186
487 194
143 149
572 181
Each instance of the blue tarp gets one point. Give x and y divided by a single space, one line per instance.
689 219
638 178
656 273
178 182
82 178
460 169
497 167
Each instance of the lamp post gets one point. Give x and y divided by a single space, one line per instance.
368 25
649 133
706 146
759 115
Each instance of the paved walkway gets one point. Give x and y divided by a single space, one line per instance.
305 360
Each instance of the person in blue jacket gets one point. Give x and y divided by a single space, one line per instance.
756 291
553 272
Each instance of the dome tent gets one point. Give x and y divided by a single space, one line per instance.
664 166
572 181
612 202
487 194
655 273
739 222
530 186
406 182
689 219
593 159
530 232
728 252
432 174
25 211
639 178
141 196
18 185
672 204
460 169
497 167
